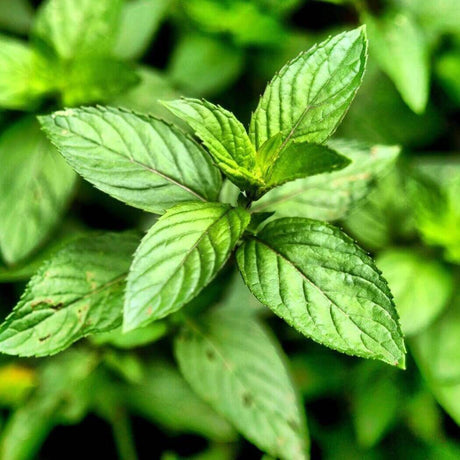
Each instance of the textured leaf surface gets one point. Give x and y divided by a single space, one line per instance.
23 76
437 353
402 51
330 196
313 276
421 286
234 365
164 397
35 186
223 135
303 160
137 159
77 292
78 27
178 257
311 94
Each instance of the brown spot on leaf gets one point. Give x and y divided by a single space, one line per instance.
247 400
46 337
210 354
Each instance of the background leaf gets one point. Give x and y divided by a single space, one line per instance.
403 53
78 291
421 286
137 159
314 277
330 196
35 187
78 27
178 257
232 363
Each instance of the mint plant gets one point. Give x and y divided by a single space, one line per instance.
307 271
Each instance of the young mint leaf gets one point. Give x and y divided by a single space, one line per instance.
402 51
139 21
421 287
77 292
178 257
317 279
165 398
137 159
224 136
78 27
436 351
88 79
35 186
330 196
236 366
297 161
23 78
311 94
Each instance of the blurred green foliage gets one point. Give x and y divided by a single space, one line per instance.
133 53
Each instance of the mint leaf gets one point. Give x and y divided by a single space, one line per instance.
301 160
35 186
24 76
330 196
78 27
139 21
87 80
235 365
421 287
201 65
178 257
436 351
77 292
376 401
137 159
313 276
223 135
165 398
402 51
311 94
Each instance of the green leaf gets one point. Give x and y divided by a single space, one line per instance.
178 257
421 287
137 159
24 76
164 397
297 161
311 94
402 51
246 22
201 65
330 196
235 365
313 276
78 27
223 135
376 402
87 80
145 96
436 351
65 388
77 292
35 186
447 69
140 20
16 16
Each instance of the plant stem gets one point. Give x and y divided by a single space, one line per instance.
122 434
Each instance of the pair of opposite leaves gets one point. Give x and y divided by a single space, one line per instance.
308 272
